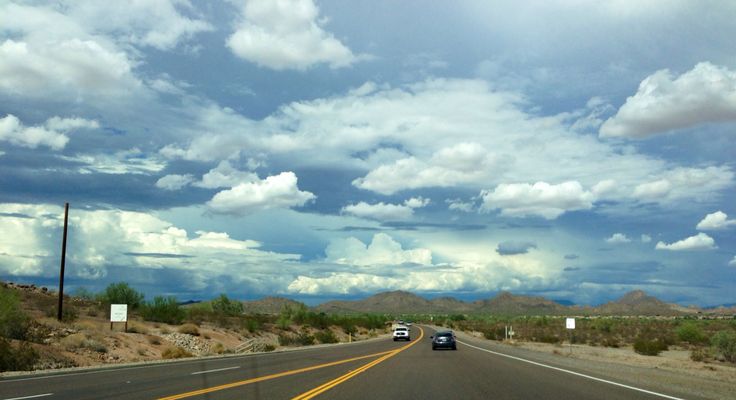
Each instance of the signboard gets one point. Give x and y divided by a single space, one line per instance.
118 313
570 323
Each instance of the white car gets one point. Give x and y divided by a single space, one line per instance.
401 333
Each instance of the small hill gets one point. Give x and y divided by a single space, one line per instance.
397 302
269 305
508 304
638 303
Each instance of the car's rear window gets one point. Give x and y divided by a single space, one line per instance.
400 329
445 334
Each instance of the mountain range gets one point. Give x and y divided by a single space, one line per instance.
505 303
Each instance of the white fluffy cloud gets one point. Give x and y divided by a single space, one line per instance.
113 238
540 199
663 102
386 212
646 238
732 262
174 181
383 250
701 241
52 134
286 34
430 133
618 238
715 221
278 191
225 175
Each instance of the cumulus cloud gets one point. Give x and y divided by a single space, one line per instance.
715 221
540 199
225 175
618 238
174 181
459 205
428 134
277 191
386 212
646 238
52 134
450 166
513 248
286 34
707 93
107 238
701 241
382 250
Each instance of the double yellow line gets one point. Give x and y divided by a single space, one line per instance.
314 392
329 385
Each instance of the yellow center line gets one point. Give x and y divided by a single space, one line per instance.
329 385
272 376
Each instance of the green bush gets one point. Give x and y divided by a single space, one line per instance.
724 343
224 306
14 322
163 309
121 293
649 346
326 336
22 358
690 333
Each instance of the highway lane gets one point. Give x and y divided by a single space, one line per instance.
357 371
160 380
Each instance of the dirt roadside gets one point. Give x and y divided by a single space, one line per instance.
671 372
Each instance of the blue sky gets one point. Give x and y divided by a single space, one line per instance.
335 149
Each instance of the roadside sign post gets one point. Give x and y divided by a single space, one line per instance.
570 325
119 313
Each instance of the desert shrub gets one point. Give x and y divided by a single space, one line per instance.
284 322
269 347
494 333
189 329
68 313
135 328
286 339
163 309
724 343
174 352
304 339
14 322
610 342
224 306
701 354
22 358
121 293
690 332
251 324
326 336
548 339
217 348
81 341
649 346
154 340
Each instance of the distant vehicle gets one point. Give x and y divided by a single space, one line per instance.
408 323
401 333
401 322
443 340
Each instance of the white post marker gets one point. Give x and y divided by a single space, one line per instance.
570 325
119 313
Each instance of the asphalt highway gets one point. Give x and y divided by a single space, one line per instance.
379 369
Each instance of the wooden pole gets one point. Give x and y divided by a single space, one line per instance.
63 261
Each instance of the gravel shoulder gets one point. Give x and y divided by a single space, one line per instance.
670 373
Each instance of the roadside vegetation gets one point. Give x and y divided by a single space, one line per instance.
159 328
708 340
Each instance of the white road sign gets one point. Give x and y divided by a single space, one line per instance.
570 323
118 313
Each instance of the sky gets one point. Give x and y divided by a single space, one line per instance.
324 150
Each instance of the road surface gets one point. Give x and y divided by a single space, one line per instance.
379 369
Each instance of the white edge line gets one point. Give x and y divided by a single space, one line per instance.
573 372
31 397
214 370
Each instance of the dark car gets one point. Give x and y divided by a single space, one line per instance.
443 340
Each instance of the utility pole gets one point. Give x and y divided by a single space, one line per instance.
63 260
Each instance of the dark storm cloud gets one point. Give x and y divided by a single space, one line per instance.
512 248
